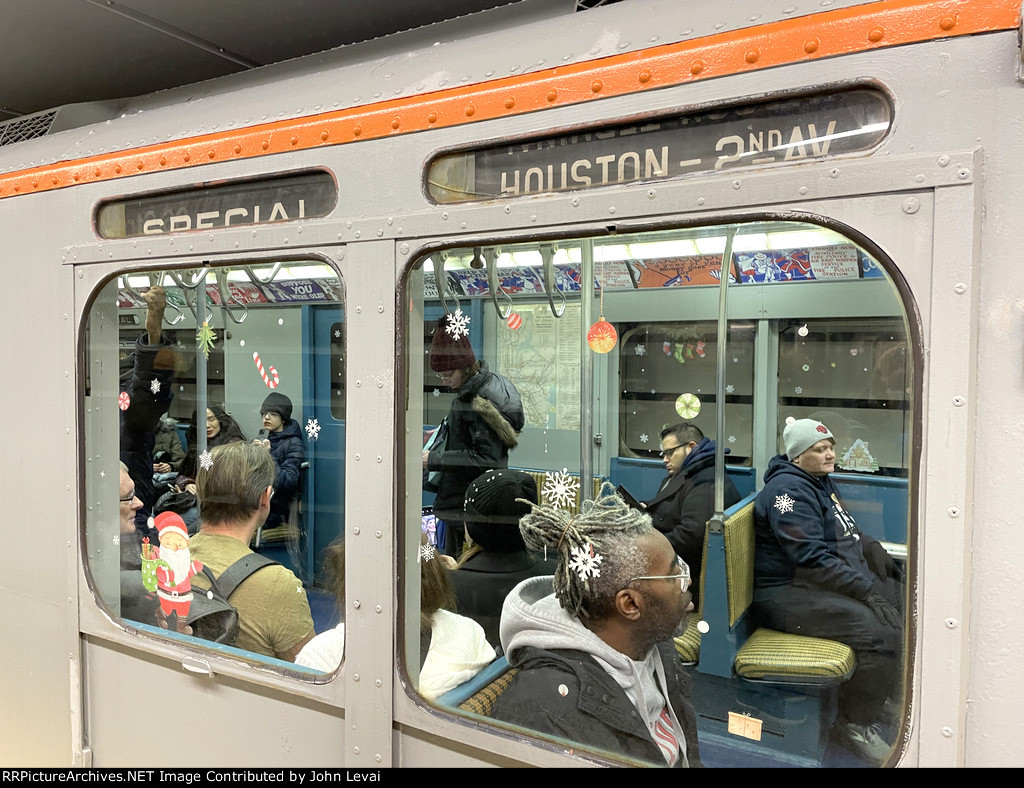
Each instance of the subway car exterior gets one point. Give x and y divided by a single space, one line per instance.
793 211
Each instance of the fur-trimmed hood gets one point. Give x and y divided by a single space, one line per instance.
498 402
496 421
483 424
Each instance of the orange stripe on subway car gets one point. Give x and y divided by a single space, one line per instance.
825 34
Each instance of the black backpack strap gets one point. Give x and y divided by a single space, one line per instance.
232 577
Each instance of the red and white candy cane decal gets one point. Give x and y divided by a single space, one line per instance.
273 372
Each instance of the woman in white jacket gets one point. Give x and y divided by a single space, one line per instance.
453 648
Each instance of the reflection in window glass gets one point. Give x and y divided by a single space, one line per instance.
668 373
212 424
815 330
337 339
854 375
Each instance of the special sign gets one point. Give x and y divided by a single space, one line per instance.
777 132
299 196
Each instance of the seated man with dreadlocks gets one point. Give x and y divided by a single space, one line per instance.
595 662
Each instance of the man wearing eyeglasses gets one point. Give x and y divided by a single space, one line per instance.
136 604
595 663
686 498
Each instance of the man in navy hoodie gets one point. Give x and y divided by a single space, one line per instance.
686 498
816 574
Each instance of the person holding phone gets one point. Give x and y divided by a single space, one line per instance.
282 437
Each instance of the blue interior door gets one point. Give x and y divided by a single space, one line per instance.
325 401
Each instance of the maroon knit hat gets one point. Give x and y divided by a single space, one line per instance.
448 352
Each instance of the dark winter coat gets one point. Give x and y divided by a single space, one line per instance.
684 504
483 424
803 533
482 583
140 420
288 451
567 694
166 441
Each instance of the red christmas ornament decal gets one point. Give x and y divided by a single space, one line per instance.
602 336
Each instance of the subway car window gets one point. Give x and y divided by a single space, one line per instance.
663 486
214 397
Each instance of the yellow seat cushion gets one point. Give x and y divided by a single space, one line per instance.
688 643
482 701
771 655
739 561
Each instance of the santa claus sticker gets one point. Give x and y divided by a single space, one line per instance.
169 569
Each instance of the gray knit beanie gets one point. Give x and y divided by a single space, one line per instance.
801 434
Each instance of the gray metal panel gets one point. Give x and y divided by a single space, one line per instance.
218 721
34 681
370 524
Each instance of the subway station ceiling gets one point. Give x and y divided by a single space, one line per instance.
56 52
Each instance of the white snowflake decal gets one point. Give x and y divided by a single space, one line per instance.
437 392
584 561
784 503
117 540
426 552
458 324
732 439
640 350
313 429
155 386
644 437
206 460
799 390
730 389
560 488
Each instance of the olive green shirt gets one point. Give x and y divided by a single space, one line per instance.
273 612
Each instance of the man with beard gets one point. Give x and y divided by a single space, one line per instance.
595 663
